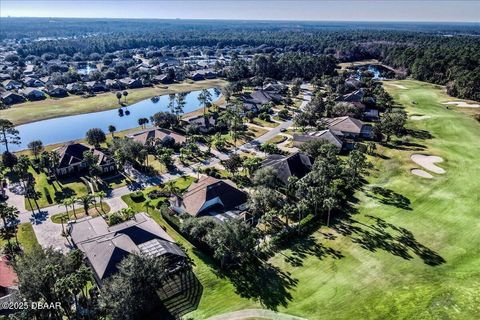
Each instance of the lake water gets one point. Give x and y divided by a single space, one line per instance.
74 127
378 72
87 70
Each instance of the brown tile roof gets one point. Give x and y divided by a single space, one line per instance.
157 134
344 124
211 189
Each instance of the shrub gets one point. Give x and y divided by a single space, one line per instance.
283 113
155 194
114 218
137 196
264 117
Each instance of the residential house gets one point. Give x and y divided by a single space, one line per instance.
4 76
10 98
8 287
204 124
56 91
254 100
114 84
297 164
32 82
275 87
72 159
323 135
158 136
11 84
211 196
348 127
163 79
33 94
76 88
131 83
196 76
96 86
106 246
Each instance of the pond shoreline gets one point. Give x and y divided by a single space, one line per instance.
34 111
59 130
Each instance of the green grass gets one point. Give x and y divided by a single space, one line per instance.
263 123
278 139
181 183
26 237
375 283
53 108
80 213
59 189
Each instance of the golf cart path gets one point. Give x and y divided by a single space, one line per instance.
255 313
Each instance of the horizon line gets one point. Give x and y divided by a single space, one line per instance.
252 20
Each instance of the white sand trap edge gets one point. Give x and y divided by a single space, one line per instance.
417 118
399 86
463 104
428 162
421 173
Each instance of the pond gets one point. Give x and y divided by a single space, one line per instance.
377 72
87 69
74 127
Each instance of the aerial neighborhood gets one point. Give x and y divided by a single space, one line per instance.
177 171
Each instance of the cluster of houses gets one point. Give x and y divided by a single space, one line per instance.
34 82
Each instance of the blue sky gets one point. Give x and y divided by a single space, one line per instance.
319 10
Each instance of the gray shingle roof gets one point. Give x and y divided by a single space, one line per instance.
106 246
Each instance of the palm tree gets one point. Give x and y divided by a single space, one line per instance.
125 94
85 200
329 203
101 195
65 203
71 203
119 96
112 129
171 187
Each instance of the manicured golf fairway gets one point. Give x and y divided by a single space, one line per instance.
413 251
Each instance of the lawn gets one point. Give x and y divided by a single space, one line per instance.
53 108
26 237
412 251
94 211
181 183
59 189
278 139
263 123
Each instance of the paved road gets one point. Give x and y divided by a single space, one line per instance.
307 96
255 313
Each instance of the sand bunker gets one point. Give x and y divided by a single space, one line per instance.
421 173
428 162
420 117
399 86
463 104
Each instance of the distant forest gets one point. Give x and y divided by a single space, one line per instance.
446 54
